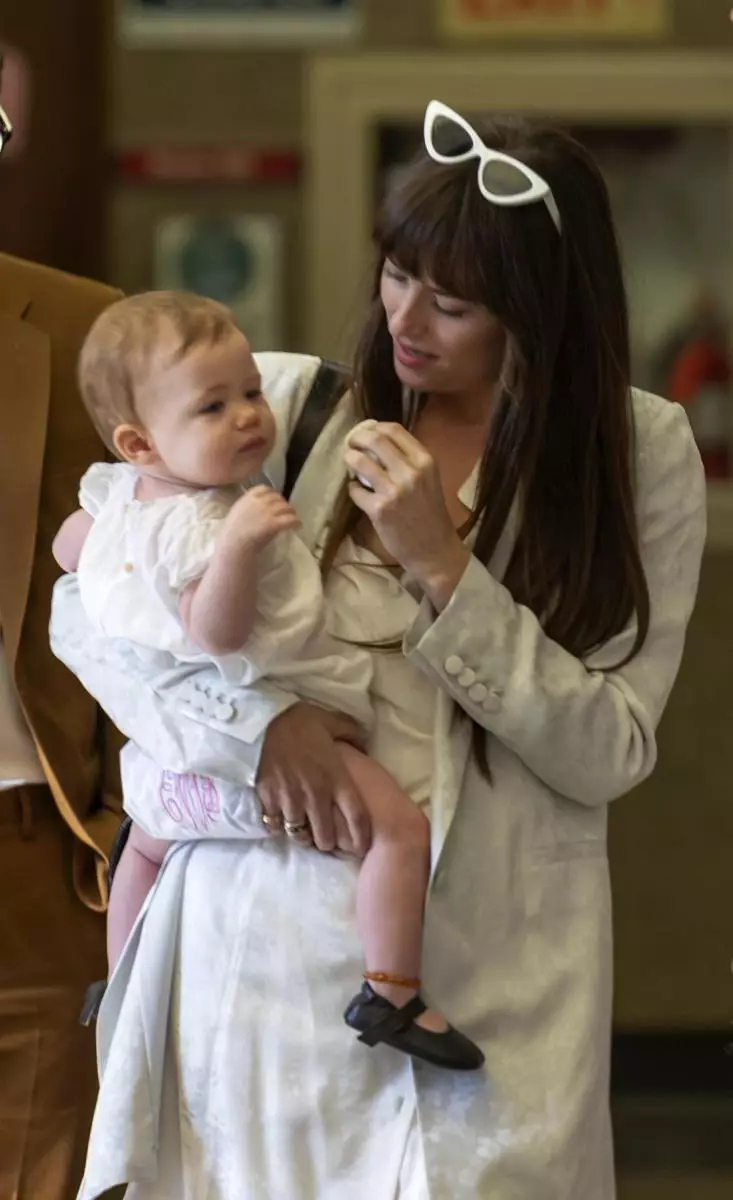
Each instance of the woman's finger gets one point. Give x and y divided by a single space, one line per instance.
344 841
406 444
366 468
271 796
392 443
351 806
319 813
364 499
293 801
370 447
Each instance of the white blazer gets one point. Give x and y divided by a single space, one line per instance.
518 925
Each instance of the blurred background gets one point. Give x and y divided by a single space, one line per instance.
238 148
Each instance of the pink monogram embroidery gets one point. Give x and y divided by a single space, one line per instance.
190 800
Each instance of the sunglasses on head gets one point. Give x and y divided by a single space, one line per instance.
502 180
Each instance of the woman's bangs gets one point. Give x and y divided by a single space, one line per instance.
426 237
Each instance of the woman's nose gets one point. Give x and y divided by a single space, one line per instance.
408 318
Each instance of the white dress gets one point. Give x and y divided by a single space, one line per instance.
267 1069
140 555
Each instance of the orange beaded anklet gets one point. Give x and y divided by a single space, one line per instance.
394 980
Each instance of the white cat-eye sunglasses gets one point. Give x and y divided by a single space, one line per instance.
502 180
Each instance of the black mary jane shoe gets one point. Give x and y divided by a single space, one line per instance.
378 1020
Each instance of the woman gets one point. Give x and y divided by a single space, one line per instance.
529 531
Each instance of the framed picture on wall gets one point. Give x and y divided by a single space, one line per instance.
234 258
211 23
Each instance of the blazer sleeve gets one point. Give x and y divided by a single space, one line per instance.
584 728
185 719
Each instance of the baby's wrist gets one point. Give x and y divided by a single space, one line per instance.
240 543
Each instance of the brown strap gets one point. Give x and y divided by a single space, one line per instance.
329 385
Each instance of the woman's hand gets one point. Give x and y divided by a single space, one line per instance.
302 778
406 506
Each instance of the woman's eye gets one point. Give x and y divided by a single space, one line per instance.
450 312
394 273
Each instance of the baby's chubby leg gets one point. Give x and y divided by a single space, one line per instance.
393 882
136 873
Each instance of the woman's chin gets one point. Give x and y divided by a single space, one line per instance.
417 377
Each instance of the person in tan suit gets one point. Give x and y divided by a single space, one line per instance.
59 792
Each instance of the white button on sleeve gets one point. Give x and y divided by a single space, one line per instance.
224 711
453 665
477 693
492 703
467 677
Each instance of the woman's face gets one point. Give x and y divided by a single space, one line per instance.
440 343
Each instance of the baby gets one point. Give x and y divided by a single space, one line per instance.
180 549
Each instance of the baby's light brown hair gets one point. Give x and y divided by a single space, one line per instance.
121 341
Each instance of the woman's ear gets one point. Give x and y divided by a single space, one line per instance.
134 446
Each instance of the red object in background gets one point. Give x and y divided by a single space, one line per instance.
700 380
209 164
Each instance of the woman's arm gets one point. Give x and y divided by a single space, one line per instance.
68 543
584 728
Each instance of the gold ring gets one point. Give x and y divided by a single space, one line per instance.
296 828
275 823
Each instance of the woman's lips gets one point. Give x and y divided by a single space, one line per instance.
408 356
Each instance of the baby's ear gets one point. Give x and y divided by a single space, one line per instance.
133 445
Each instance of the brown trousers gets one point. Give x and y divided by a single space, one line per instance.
50 949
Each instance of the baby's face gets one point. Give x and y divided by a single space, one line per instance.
205 414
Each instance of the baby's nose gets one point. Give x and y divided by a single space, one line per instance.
246 415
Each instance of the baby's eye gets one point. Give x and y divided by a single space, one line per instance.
214 406
253 395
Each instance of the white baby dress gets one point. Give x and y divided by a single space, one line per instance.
140 555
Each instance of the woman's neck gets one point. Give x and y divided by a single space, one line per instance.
465 410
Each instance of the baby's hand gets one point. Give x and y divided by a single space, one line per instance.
258 516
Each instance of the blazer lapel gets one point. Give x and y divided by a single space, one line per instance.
452 739
24 397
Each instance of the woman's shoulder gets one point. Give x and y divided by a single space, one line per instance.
662 431
286 382
669 470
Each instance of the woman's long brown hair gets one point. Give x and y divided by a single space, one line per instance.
561 437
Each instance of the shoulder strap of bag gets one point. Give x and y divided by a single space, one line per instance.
331 381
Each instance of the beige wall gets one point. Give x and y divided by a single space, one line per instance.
256 98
